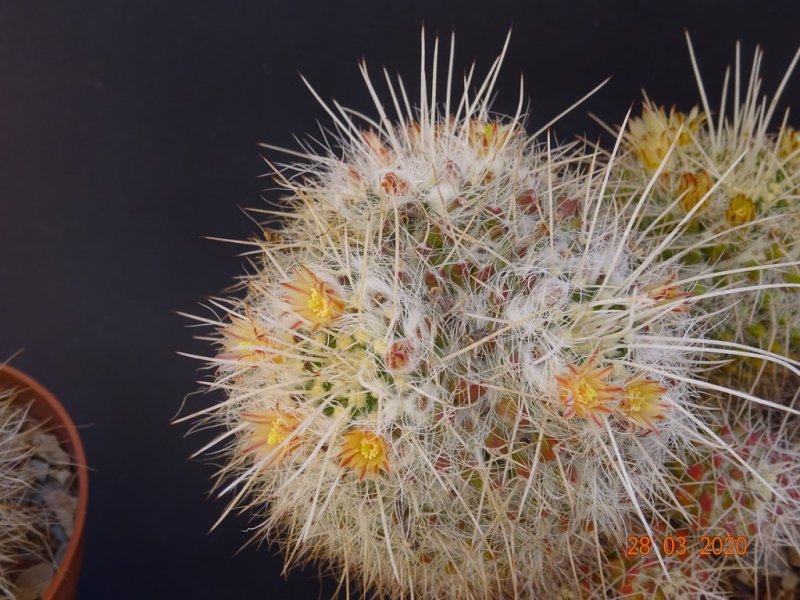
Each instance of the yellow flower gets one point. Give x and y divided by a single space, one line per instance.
272 431
244 341
693 187
651 135
365 452
585 392
741 209
789 143
642 402
312 299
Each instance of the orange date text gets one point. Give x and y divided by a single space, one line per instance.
676 545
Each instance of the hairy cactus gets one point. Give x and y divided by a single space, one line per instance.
452 373
732 185
683 573
760 502
17 521
735 182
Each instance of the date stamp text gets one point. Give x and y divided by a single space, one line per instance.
676 545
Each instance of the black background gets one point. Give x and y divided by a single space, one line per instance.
128 132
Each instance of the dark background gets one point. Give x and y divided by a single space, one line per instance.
128 132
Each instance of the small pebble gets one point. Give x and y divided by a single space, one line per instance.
48 486
63 506
59 534
47 447
39 468
62 550
62 476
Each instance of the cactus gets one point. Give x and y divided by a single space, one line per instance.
753 491
452 372
18 534
682 573
735 183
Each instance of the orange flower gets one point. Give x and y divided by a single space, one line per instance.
312 299
272 433
365 452
585 392
244 341
642 403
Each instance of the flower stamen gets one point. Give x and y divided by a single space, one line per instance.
272 433
312 299
365 452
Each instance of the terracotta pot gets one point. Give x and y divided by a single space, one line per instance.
45 408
